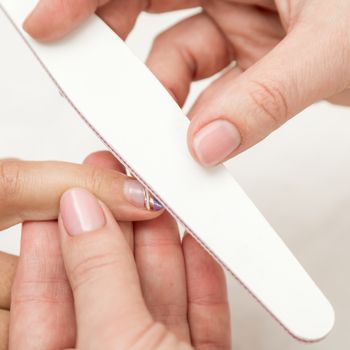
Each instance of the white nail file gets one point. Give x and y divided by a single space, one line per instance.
130 110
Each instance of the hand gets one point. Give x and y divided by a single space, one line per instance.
288 55
134 287
32 190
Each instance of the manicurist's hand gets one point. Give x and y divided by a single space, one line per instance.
32 190
288 55
90 282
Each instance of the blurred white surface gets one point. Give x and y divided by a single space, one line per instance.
298 178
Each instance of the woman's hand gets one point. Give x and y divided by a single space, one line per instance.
288 53
127 286
32 190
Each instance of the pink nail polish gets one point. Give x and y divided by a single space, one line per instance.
81 212
138 196
215 142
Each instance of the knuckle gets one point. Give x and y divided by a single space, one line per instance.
161 39
209 300
91 268
169 313
37 292
94 179
10 180
168 42
270 101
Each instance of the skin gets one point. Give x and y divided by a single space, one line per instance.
288 54
157 293
31 191
4 329
8 265
282 67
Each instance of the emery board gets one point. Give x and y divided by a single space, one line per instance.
128 108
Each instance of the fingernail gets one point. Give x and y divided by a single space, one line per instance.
138 196
81 212
215 142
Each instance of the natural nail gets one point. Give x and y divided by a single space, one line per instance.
81 212
138 196
215 142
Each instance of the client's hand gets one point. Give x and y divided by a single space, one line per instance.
32 190
127 286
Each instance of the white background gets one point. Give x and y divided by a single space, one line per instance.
298 178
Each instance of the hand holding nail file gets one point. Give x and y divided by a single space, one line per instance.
128 108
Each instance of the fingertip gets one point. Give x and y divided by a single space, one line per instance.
191 245
187 238
36 24
53 19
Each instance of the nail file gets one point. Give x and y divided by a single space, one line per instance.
127 107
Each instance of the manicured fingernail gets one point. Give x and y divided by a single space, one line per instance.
81 212
215 142
138 196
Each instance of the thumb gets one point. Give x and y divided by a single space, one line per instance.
235 113
102 273
52 19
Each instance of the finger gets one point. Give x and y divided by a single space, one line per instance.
30 191
182 54
121 15
106 160
170 5
343 98
208 311
8 265
52 19
251 31
4 329
42 312
269 4
102 273
160 263
235 113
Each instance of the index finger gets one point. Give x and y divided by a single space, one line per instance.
52 19
30 191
